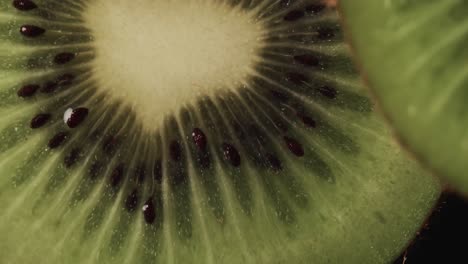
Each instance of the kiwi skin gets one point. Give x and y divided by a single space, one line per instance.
248 194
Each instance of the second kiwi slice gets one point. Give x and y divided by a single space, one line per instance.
196 131
415 58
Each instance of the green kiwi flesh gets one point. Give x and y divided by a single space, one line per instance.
286 163
414 56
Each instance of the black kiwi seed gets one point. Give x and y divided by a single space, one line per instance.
175 151
294 15
281 96
40 120
110 144
131 203
77 116
49 87
307 60
149 211
296 78
328 92
307 120
24 5
63 58
31 31
325 33
72 157
199 138
57 140
281 125
231 154
61 81
274 162
294 146
117 175
28 90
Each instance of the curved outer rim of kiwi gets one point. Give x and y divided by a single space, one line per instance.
369 86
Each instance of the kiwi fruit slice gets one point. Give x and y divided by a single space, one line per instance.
196 131
414 57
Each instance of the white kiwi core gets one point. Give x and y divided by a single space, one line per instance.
159 56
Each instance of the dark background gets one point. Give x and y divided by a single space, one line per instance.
444 237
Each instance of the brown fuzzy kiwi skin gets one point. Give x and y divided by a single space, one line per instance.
445 187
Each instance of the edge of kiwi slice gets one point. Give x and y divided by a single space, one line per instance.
413 57
287 162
